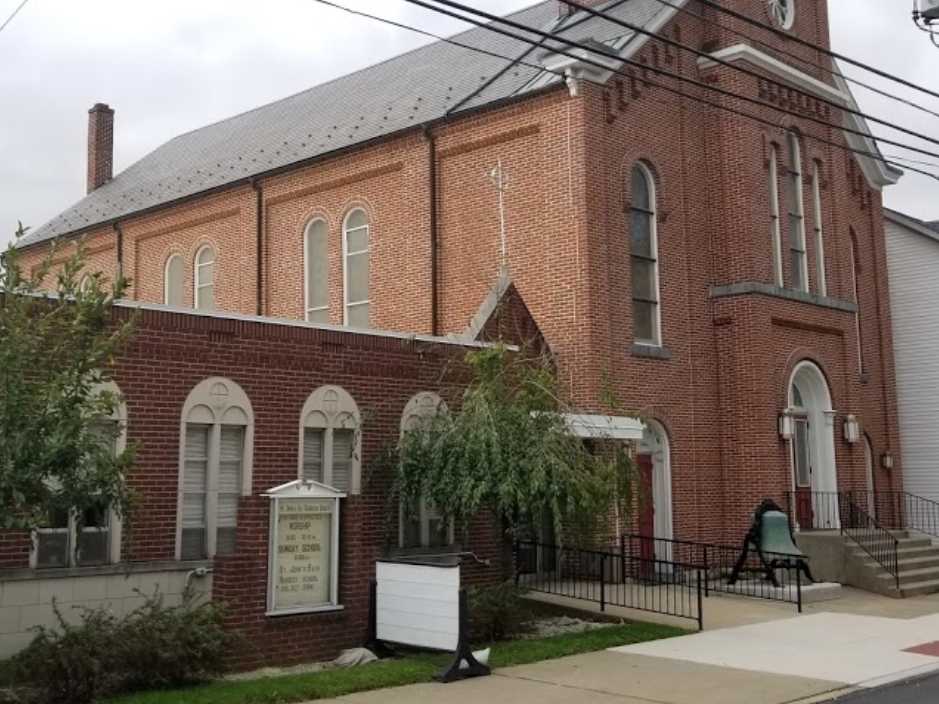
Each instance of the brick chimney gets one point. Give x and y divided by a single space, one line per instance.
565 10
100 145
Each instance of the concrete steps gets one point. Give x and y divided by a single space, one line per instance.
917 562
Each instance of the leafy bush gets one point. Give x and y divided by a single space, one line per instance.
169 646
153 646
497 612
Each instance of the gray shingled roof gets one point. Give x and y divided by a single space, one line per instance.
421 86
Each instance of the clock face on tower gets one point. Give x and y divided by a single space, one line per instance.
782 12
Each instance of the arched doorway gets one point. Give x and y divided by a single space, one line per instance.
814 474
655 474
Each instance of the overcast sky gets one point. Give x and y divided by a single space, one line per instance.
175 65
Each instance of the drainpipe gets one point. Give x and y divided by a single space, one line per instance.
259 242
120 249
432 195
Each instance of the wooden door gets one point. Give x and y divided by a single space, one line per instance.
646 518
802 467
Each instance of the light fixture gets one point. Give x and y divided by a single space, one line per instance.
886 460
852 429
926 18
786 424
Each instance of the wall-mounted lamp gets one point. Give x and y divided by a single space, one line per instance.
852 429
886 460
786 424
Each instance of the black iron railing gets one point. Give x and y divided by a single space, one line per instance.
611 579
853 514
900 510
716 563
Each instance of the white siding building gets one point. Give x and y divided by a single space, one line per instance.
913 267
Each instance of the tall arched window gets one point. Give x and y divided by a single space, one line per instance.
174 276
796 209
215 460
819 230
855 284
316 268
644 253
423 527
330 440
776 237
204 277
355 248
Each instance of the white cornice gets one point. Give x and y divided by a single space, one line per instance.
793 76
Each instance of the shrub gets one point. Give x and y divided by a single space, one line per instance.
153 646
71 664
170 646
497 612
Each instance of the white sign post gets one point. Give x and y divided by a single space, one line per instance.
303 562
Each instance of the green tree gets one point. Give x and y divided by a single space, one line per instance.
508 449
58 342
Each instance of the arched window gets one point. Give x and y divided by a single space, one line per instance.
644 252
85 283
775 235
174 281
856 287
73 539
316 268
819 230
330 440
426 528
205 279
355 248
796 209
215 461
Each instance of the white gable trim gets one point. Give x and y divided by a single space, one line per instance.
761 60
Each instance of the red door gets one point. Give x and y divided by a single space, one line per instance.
802 465
646 523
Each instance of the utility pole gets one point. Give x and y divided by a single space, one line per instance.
501 181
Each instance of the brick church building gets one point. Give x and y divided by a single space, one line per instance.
723 276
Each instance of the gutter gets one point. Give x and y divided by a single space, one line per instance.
432 195
259 244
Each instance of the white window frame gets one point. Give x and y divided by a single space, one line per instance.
166 276
214 402
797 249
420 409
775 228
331 408
197 283
308 309
652 212
347 304
819 231
114 522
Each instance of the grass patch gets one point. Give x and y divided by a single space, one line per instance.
401 671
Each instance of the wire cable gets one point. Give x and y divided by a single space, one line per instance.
873 155
796 57
816 47
645 67
753 74
13 14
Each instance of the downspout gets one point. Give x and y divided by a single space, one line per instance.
259 243
432 195
120 249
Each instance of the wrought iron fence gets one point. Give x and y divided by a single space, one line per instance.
716 564
900 510
611 579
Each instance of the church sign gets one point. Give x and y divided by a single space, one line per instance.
303 563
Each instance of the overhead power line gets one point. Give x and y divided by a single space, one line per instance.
792 55
816 47
733 66
13 14
514 60
593 48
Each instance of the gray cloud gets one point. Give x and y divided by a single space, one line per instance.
176 65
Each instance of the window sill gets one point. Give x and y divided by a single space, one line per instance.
306 611
120 568
651 351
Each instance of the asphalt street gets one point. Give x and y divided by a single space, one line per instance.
923 690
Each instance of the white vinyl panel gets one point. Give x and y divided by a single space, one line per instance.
418 605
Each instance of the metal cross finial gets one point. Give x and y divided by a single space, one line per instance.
501 181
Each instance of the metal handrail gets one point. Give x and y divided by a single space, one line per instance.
883 549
